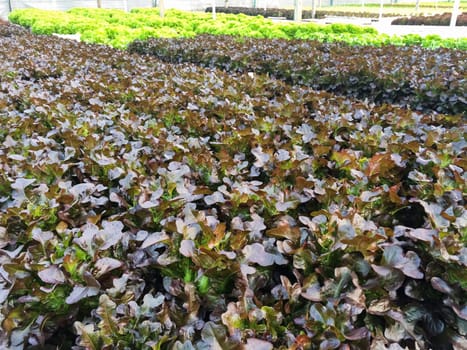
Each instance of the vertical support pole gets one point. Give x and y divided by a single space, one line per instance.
313 9
9 6
214 16
381 9
455 13
99 4
417 6
298 10
161 8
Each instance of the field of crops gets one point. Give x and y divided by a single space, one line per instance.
118 28
230 193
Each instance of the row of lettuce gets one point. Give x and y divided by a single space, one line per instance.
342 11
148 205
118 28
435 20
289 13
430 80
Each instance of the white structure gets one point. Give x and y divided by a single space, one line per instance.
189 5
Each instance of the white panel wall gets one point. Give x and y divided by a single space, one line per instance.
4 9
68 4
188 5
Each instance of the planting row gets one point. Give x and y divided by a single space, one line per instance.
118 28
369 11
147 205
289 13
406 75
435 20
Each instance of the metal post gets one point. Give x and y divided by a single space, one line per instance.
9 6
381 9
455 13
417 6
298 10
161 8
214 9
313 9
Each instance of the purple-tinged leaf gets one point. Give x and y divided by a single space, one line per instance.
256 226
393 255
150 200
369 196
257 344
313 293
150 303
440 285
255 253
306 132
155 238
382 270
79 292
410 266
110 235
41 236
422 234
261 158
285 206
328 344
357 334
282 155
187 248
52 274
216 197
189 231
18 194
105 265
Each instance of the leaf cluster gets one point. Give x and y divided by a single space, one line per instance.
386 74
149 205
